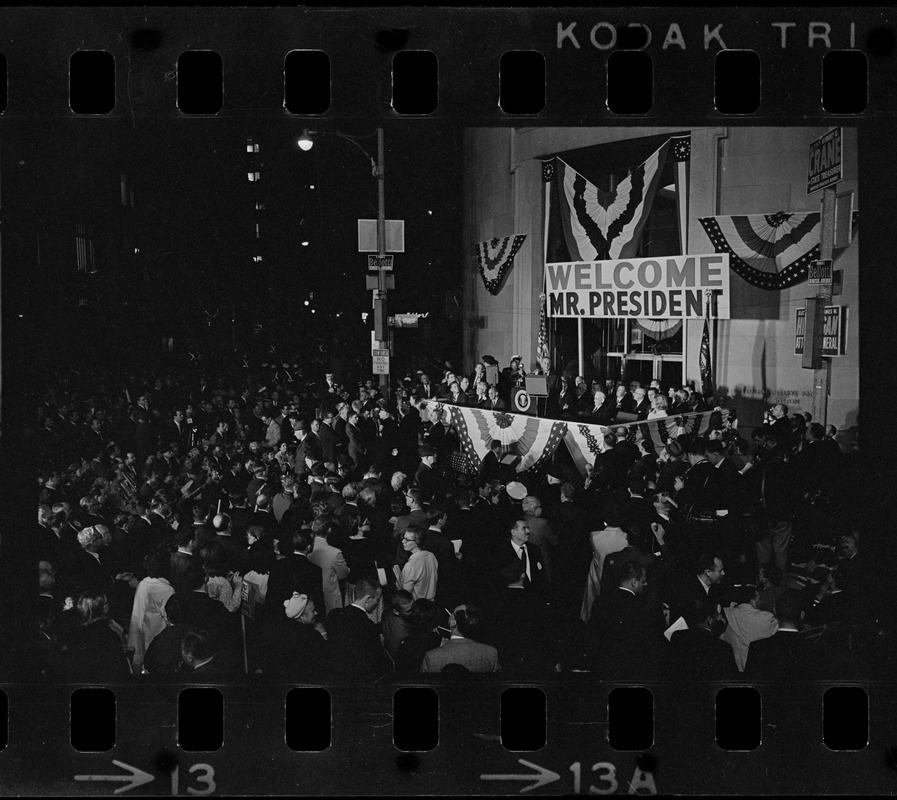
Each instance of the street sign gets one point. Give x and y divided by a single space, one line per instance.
824 167
395 236
404 321
820 272
380 262
372 281
381 362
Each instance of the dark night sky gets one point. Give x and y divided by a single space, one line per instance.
198 202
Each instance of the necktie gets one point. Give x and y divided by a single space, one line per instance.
524 557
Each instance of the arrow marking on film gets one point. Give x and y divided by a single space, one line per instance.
137 777
542 777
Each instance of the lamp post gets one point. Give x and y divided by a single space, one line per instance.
378 170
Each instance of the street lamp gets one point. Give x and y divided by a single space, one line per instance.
381 330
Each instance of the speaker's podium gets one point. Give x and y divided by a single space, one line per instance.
526 399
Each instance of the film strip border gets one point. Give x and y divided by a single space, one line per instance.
576 66
582 737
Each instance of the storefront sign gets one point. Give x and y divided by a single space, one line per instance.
671 287
834 334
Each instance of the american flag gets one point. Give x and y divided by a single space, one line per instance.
542 347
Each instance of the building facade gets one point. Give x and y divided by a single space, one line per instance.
732 171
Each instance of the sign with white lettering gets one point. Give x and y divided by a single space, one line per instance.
820 273
669 287
824 167
834 332
380 262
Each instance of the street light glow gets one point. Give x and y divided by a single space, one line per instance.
306 302
305 141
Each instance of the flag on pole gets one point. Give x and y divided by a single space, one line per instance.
705 360
682 157
542 346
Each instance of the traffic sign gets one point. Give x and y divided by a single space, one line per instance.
395 236
381 362
380 262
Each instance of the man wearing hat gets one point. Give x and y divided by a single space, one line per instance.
426 477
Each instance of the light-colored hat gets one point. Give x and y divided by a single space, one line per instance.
295 605
516 490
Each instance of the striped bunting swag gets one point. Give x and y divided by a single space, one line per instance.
770 251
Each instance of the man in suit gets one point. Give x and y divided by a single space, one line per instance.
425 389
786 656
356 448
494 402
462 649
181 559
330 561
626 638
425 477
329 439
641 403
697 653
519 626
518 546
355 648
702 583
178 430
541 533
296 573
699 495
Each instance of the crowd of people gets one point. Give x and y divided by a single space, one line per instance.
194 528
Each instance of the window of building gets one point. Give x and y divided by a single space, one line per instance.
259 206
257 259
251 147
258 231
84 255
254 176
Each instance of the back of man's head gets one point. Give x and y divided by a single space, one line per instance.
697 446
366 588
468 620
631 570
788 608
301 540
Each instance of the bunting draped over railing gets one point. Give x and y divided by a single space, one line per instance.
535 440
495 258
770 251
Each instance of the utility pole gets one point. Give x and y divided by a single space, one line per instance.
381 327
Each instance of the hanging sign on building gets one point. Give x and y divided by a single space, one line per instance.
824 168
834 331
669 287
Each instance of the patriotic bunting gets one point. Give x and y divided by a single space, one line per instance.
601 225
770 251
535 440
495 258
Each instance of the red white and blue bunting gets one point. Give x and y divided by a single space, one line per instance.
770 251
495 259
535 440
